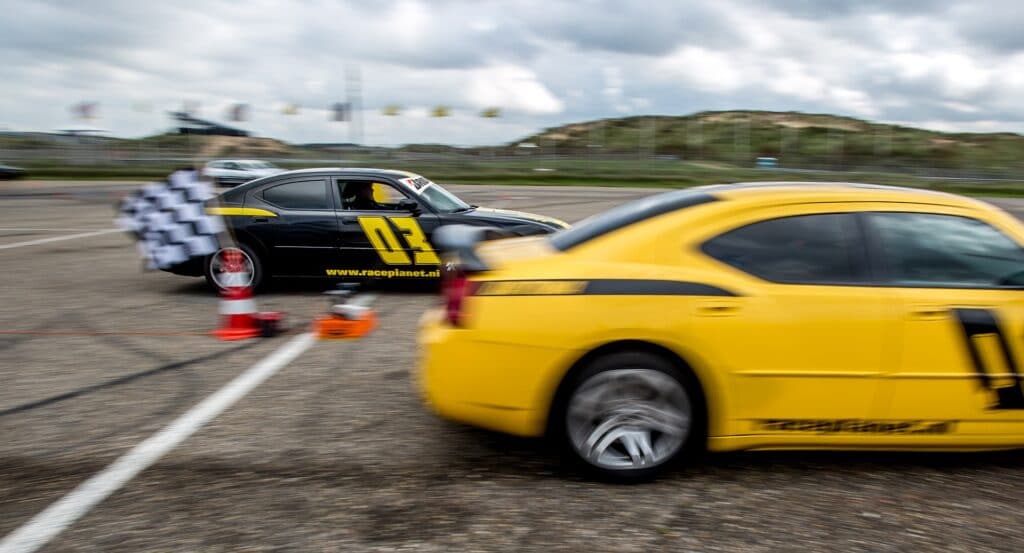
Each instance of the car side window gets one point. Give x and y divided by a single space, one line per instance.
931 249
366 195
803 249
304 194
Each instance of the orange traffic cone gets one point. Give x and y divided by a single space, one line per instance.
238 315
352 319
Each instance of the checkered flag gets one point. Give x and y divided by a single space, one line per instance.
169 221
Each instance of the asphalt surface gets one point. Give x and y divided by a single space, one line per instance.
336 453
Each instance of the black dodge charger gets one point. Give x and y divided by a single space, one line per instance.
345 224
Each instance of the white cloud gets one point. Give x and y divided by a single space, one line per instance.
852 101
544 63
791 78
981 125
960 107
961 75
409 20
613 89
703 69
911 65
513 88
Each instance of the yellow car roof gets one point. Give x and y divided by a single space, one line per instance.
799 192
727 197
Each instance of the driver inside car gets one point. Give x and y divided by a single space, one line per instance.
359 196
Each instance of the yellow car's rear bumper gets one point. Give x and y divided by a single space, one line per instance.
503 387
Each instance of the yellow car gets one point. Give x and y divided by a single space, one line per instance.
747 316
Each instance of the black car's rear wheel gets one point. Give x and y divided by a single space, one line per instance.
234 266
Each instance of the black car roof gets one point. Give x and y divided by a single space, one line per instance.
234 195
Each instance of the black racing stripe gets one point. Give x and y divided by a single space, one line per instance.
974 322
621 287
630 287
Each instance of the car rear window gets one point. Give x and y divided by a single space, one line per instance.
627 214
801 249
305 194
233 196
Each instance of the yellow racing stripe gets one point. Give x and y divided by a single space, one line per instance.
250 211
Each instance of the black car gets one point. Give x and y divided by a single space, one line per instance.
8 172
346 224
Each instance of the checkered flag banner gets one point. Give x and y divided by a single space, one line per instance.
169 221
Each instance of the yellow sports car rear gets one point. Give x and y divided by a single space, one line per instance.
750 316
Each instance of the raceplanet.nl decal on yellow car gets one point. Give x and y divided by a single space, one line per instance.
856 426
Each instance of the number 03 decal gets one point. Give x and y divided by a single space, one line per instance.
391 245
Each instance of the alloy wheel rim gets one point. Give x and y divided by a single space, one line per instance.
627 419
232 267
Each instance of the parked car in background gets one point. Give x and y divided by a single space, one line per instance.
232 172
8 172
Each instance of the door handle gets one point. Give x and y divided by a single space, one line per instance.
261 219
348 220
715 309
928 312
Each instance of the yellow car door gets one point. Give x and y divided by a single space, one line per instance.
958 278
808 336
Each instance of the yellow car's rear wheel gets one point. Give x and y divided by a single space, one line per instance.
626 416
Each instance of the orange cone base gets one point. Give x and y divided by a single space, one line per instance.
330 327
237 333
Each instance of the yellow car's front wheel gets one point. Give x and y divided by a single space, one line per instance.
626 416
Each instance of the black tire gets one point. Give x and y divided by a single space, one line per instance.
257 279
620 369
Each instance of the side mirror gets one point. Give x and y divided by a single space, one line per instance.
405 204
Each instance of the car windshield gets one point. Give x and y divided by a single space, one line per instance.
442 200
257 165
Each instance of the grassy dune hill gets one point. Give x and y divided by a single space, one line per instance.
656 151
796 139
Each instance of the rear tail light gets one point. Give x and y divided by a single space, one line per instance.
455 287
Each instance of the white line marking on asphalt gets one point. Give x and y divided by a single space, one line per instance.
59 516
57 239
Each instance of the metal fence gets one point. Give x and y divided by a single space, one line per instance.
97 153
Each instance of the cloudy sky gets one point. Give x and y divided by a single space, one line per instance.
948 64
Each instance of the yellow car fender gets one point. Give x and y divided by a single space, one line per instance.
712 383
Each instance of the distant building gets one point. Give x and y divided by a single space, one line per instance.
187 124
331 146
82 131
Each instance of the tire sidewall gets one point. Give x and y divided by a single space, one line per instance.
559 431
257 267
